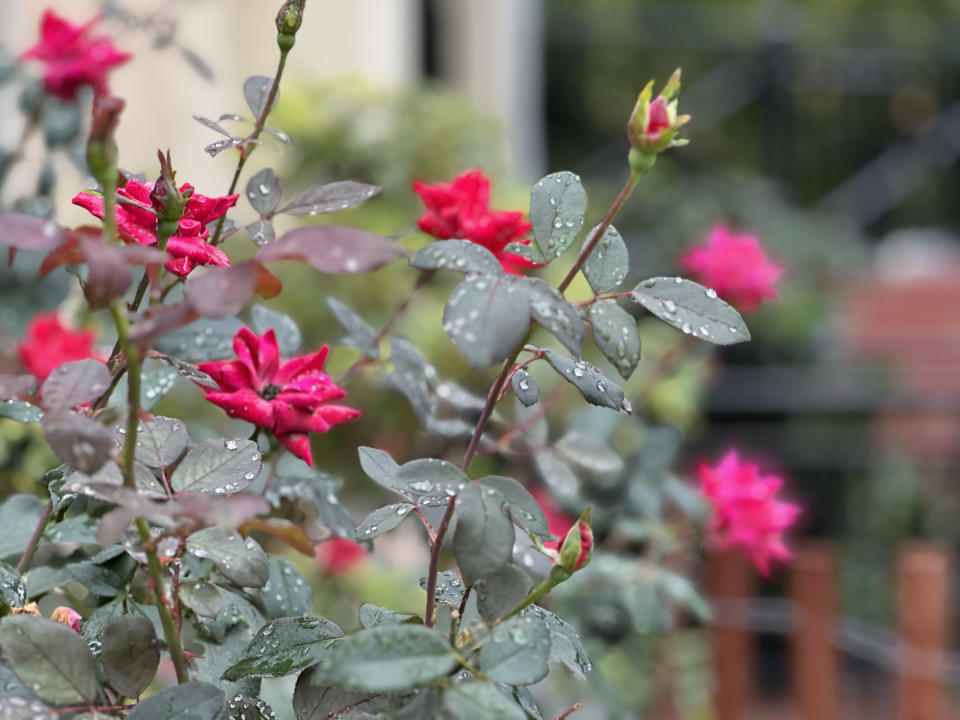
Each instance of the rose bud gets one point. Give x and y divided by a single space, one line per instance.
101 147
289 20
67 616
654 124
575 551
166 199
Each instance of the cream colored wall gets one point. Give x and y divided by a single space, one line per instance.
374 38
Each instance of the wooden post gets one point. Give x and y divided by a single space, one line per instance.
731 581
813 588
923 582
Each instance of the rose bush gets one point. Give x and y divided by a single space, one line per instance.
176 532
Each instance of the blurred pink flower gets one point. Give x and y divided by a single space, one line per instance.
338 555
745 509
72 57
735 266
291 397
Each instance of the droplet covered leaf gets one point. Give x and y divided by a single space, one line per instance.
558 204
692 308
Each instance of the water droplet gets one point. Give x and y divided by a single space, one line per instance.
230 444
711 293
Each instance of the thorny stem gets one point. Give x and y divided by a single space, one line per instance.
35 538
492 395
394 316
250 142
569 711
598 232
455 620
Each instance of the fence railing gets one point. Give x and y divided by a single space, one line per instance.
916 654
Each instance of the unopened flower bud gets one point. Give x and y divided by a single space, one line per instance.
576 549
654 124
67 616
166 199
101 146
289 20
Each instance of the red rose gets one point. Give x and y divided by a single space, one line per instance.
338 555
137 223
461 210
289 398
72 57
48 344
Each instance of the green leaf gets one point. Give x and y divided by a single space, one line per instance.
589 452
16 702
460 255
615 332
374 615
256 91
264 190
487 318
517 652
74 383
557 206
49 658
219 467
555 314
382 520
529 251
330 197
556 474
108 477
130 654
359 334
413 377
190 701
692 308
431 478
566 646
241 707
483 540
524 509
449 588
500 592
389 658
12 590
19 515
318 489
201 340
74 529
242 561
607 266
78 440
261 231
285 646
479 700
525 388
595 387
285 327
313 701
202 597
286 593
218 657
379 467
160 441
20 411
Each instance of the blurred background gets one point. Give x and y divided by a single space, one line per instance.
829 129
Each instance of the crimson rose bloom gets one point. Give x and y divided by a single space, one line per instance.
73 59
746 511
137 223
461 210
48 344
736 266
289 398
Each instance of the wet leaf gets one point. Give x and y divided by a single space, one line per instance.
28 232
256 90
692 308
160 441
609 262
382 520
374 615
201 341
479 700
218 466
12 590
261 231
77 440
242 561
285 646
502 591
615 332
389 658
190 701
589 452
330 197
20 411
517 652
201 597
525 388
286 593
285 327
264 190
595 387
557 206
19 515
130 654
51 659
555 314
221 292
74 383
483 540
359 334
487 318
460 255
333 249
524 509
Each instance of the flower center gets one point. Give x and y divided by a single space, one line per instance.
270 391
